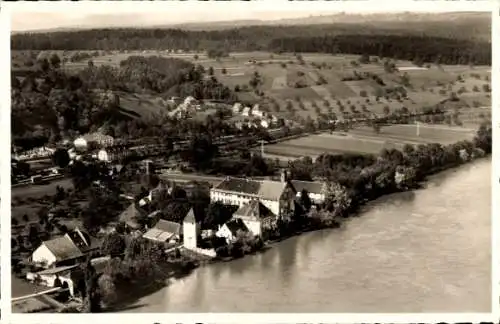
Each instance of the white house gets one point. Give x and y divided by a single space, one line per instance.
256 217
277 196
237 108
231 229
264 123
256 111
246 111
57 250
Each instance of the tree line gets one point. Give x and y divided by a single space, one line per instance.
331 38
407 47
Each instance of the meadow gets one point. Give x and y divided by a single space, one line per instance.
365 140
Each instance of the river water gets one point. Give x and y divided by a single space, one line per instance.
423 251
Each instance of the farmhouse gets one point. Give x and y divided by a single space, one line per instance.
65 250
58 251
277 196
230 230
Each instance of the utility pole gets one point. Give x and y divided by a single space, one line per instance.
418 129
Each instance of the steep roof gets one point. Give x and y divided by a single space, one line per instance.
253 209
63 248
129 216
309 186
265 189
236 225
190 217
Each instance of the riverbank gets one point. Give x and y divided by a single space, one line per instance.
131 296
426 250
392 172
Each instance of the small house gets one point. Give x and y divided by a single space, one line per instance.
58 251
237 108
230 230
246 111
256 217
164 231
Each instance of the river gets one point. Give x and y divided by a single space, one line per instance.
422 251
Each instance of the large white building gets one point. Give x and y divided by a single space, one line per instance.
277 196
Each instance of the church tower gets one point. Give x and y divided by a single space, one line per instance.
190 230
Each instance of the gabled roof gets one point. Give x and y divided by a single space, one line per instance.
190 217
129 216
309 186
57 270
236 225
253 209
63 248
168 226
265 189
163 231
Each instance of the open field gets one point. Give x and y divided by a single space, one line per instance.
279 75
365 140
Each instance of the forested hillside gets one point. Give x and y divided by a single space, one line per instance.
430 44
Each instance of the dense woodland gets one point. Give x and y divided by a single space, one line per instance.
412 48
334 38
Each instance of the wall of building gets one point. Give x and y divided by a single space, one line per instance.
254 226
189 232
42 255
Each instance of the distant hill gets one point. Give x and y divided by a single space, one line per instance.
451 24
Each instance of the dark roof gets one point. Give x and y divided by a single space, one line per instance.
57 270
129 216
266 189
253 209
236 225
63 248
309 186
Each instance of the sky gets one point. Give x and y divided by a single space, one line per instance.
95 14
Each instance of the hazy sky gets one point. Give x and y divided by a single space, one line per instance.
133 13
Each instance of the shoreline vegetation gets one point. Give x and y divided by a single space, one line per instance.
391 172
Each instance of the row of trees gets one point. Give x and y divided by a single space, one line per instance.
412 48
244 38
354 179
